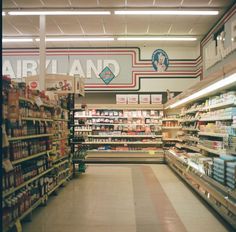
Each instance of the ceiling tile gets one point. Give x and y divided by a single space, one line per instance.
68 19
140 3
109 3
93 28
18 20
8 3
221 3
180 29
28 30
52 29
71 29
27 3
9 30
84 3
159 28
169 3
56 3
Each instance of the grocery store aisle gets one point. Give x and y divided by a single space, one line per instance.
128 198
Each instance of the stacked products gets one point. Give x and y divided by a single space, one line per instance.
222 170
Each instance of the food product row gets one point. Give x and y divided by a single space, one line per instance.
120 113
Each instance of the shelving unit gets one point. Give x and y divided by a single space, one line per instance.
28 166
78 149
120 130
206 158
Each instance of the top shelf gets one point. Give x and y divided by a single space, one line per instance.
121 107
107 116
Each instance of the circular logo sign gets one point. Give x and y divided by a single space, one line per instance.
160 60
33 84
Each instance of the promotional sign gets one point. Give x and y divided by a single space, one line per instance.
62 84
121 99
132 98
156 98
160 60
219 46
107 75
144 99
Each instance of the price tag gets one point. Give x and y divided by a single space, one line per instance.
187 169
18 226
151 152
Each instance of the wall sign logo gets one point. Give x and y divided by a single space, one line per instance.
160 60
107 75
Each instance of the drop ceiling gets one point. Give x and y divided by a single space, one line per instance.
112 25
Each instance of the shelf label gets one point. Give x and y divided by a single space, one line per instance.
151 152
18 226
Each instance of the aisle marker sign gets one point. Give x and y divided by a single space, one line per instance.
107 75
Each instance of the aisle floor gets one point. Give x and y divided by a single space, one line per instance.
124 198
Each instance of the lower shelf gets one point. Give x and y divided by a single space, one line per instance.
218 197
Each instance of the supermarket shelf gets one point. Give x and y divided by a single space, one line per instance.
66 170
60 139
60 163
125 117
5 194
171 128
170 119
191 138
34 206
216 152
190 120
57 186
125 136
221 198
172 139
29 137
220 105
124 106
189 129
85 130
125 151
36 119
196 149
121 143
61 158
119 124
30 157
27 100
191 111
215 119
61 119
212 134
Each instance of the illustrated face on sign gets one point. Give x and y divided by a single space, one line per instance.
160 60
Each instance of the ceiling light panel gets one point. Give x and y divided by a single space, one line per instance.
157 38
167 12
16 40
59 12
74 39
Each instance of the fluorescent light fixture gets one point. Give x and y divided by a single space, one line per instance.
3 13
74 39
59 12
166 12
14 40
211 88
167 38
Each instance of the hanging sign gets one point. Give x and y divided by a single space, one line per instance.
160 60
62 84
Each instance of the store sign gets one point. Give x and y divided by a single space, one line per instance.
125 64
221 45
160 60
107 75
